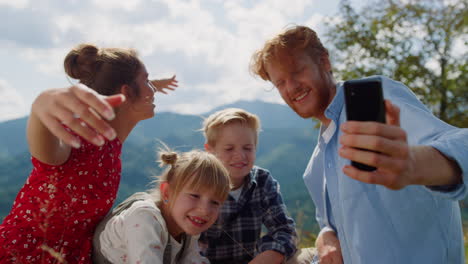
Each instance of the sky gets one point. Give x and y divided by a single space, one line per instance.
206 43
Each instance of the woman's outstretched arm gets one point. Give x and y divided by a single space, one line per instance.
79 108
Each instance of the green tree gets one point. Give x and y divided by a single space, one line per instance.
422 43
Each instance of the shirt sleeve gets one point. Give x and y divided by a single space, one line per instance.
423 128
454 145
192 255
144 234
322 224
326 229
281 235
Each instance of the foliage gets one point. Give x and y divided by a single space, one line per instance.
421 43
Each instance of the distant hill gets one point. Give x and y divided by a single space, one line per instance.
285 145
271 115
13 137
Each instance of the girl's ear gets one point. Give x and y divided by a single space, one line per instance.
165 191
208 148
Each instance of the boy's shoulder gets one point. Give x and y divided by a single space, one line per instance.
260 172
261 176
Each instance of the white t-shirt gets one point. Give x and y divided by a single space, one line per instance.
236 193
139 235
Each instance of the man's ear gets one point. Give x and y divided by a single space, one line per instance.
325 63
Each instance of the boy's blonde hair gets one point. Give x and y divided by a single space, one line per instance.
199 169
213 123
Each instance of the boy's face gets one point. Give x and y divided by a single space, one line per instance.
235 147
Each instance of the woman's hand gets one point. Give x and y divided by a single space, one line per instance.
80 108
169 83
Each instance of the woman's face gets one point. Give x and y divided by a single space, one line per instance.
143 105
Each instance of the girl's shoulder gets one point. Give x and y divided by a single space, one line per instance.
146 206
139 213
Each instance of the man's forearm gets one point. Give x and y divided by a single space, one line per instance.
432 168
268 256
328 247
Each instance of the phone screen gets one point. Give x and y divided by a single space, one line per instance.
364 102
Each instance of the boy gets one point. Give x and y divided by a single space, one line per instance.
255 199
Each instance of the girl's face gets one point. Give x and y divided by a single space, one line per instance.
193 211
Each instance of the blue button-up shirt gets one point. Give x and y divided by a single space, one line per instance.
375 224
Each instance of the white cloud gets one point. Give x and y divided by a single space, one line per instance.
127 5
15 3
47 61
12 105
207 43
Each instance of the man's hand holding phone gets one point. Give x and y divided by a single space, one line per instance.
390 153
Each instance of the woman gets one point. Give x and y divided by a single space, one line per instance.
75 139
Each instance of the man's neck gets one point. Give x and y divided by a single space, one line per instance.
325 121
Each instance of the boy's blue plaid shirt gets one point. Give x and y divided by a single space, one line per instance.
235 237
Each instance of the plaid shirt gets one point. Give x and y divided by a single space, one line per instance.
235 236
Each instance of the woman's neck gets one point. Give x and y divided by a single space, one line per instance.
122 126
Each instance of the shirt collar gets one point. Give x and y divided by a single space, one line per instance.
251 178
333 110
327 133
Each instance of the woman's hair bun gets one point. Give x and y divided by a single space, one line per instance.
168 157
80 62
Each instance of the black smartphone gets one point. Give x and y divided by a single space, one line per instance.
364 102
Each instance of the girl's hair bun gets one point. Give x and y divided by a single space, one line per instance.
168 158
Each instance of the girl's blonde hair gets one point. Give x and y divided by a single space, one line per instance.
200 170
219 119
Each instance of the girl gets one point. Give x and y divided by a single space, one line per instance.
76 155
154 229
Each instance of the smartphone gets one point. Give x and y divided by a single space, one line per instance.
364 102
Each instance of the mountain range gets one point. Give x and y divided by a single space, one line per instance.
286 142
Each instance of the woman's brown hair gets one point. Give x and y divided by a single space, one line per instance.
104 70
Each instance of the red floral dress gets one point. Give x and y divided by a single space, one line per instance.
55 213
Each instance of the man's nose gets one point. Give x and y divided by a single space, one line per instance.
292 84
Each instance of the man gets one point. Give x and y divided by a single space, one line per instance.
404 212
